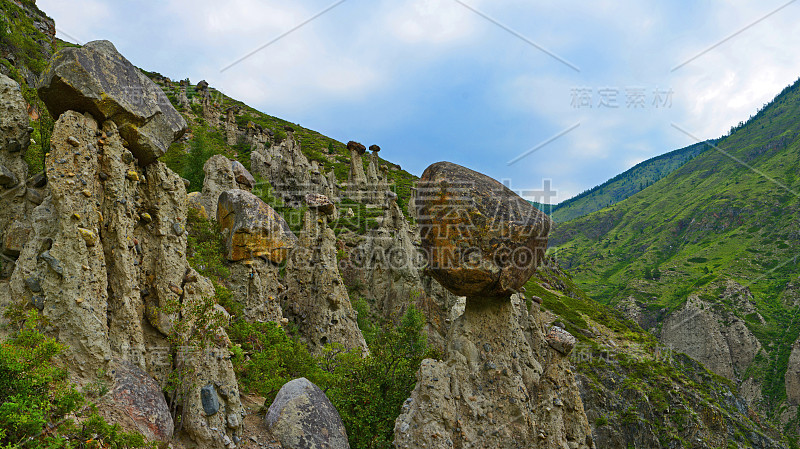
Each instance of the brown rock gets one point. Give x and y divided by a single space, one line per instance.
15 238
320 203
480 238
560 340
374 148
252 228
361 149
137 403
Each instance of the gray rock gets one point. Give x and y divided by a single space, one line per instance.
54 263
208 396
97 79
242 175
7 177
302 417
33 284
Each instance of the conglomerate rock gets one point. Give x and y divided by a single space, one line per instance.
480 238
105 259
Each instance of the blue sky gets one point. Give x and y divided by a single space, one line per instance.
475 82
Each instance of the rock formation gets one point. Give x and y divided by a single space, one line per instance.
288 170
302 417
696 329
252 228
316 298
502 384
481 239
18 196
104 258
96 79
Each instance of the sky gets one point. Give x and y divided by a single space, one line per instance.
533 93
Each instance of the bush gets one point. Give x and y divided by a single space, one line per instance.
369 392
267 358
205 247
199 153
36 397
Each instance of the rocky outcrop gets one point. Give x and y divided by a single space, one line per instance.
316 298
502 384
14 141
302 417
480 238
219 177
252 229
716 338
96 79
287 169
793 375
105 263
106 258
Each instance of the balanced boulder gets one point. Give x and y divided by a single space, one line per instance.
97 79
302 417
252 228
480 238
320 203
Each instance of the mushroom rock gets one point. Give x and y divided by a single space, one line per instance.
501 384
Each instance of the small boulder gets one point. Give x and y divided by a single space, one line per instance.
374 148
97 79
209 399
320 203
560 340
480 238
302 417
195 201
355 146
252 228
242 175
202 85
137 403
16 237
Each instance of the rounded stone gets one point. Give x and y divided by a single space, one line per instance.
480 238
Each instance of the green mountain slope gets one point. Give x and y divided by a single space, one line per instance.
729 213
623 185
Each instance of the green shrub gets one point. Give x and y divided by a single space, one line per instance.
199 153
36 398
205 247
369 392
269 358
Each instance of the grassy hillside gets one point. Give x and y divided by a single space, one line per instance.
632 386
623 185
729 213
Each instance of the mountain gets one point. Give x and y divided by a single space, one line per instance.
624 184
164 293
706 257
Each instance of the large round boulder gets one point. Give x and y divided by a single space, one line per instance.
480 238
97 79
252 228
302 417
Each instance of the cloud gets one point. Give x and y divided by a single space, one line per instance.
431 80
